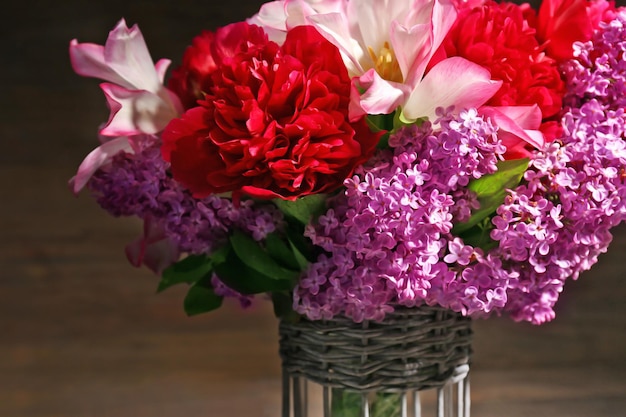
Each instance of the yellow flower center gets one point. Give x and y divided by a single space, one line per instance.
385 63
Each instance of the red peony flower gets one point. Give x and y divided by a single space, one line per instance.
274 119
192 78
560 23
498 37
501 38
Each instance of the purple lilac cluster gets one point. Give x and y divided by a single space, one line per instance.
599 70
388 237
138 184
555 226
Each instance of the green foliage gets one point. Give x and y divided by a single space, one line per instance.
251 267
252 255
247 280
201 298
188 270
195 270
346 403
478 236
245 265
303 249
283 306
381 123
388 124
304 208
301 260
386 404
281 251
491 190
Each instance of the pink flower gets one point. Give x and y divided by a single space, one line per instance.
386 46
518 128
104 153
140 105
498 37
277 17
135 94
154 248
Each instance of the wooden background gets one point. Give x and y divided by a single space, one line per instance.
84 334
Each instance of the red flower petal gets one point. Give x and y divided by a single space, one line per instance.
275 121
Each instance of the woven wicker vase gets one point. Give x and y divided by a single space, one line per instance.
413 364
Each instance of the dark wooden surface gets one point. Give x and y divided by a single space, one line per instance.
84 334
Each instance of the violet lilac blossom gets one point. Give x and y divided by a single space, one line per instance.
388 237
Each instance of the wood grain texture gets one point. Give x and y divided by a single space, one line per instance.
84 334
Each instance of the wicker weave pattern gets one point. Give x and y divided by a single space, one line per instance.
413 348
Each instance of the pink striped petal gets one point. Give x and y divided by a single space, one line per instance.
161 68
97 158
411 49
154 249
88 60
126 52
379 96
414 46
452 82
138 101
518 125
336 29
123 60
135 111
526 117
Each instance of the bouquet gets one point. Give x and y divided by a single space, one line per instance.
348 157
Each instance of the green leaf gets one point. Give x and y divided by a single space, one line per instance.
385 404
188 270
401 120
479 235
345 403
491 191
302 244
381 123
254 257
201 299
219 256
241 278
302 261
508 175
377 122
283 306
304 208
281 251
